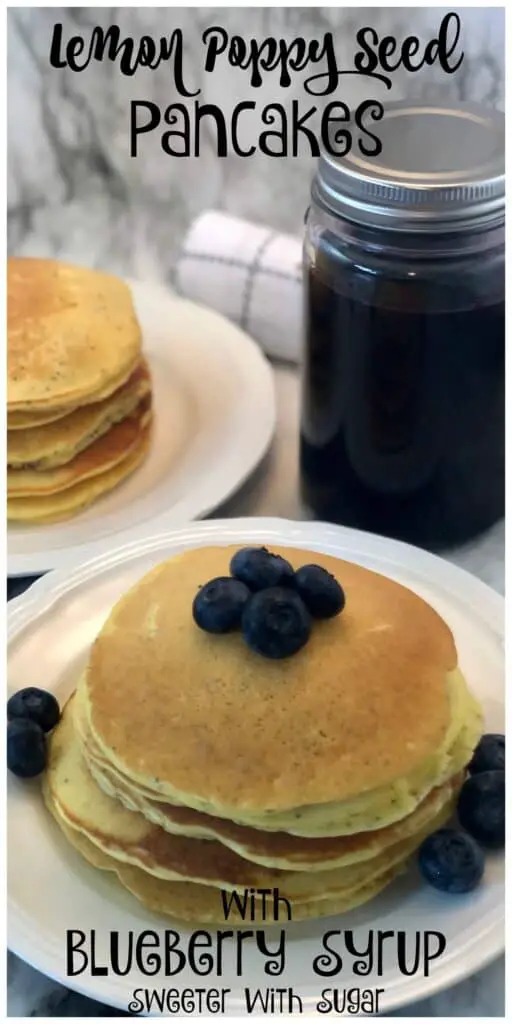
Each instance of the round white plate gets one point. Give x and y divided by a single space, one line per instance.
214 409
50 889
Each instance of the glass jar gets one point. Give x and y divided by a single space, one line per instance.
402 423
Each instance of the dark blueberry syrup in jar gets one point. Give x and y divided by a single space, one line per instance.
402 424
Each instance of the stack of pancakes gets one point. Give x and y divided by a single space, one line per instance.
79 391
187 764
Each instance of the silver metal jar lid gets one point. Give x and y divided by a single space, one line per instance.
442 167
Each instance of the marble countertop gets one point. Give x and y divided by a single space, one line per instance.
273 491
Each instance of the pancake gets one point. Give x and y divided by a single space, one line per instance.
281 849
29 420
58 442
130 838
103 454
73 335
363 708
201 903
374 810
37 417
272 849
56 507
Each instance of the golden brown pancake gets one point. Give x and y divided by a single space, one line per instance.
281 849
373 810
73 336
29 420
186 901
272 849
53 508
103 454
56 443
188 764
40 416
202 721
128 836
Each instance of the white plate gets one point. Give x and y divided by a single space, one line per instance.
50 889
214 410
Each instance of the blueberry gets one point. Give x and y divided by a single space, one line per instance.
218 606
320 591
26 748
489 754
451 861
481 808
259 569
39 706
276 623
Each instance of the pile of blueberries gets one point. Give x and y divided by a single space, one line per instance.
31 714
270 603
452 859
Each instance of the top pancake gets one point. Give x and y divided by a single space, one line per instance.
205 722
73 336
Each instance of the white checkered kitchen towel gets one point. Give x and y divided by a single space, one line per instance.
250 274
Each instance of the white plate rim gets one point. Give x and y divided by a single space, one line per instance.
239 464
469 591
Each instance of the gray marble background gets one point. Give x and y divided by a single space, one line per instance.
73 188
74 192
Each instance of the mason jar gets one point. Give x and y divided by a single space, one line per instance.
402 422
